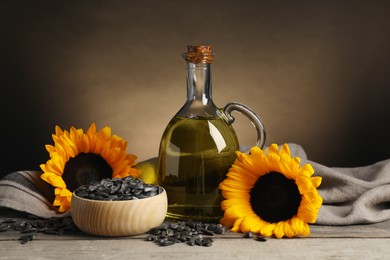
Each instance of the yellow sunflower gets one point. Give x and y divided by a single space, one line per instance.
270 194
78 158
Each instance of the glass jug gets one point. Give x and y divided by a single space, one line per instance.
198 146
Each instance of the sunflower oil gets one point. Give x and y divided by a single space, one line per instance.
195 155
199 145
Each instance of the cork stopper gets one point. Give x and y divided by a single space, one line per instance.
199 54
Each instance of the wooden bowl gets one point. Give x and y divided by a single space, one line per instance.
119 218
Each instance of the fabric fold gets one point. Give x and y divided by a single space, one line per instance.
355 195
358 195
25 191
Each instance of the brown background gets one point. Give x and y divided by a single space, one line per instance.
317 72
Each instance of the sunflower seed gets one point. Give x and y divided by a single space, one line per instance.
31 230
26 238
191 232
21 226
191 242
155 231
51 231
207 242
198 241
150 238
206 232
166 242
33 224
261 239
128 188
4 228
10 220
248 234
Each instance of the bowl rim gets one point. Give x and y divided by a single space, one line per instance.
119 201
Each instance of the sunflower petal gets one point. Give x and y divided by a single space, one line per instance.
251 223
237 225
307 212
288 232
238 211
268 229
316 180
233 202
299 227
227 222
279 229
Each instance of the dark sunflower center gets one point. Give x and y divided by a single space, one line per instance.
85 168
275 198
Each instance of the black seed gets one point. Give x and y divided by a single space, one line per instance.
190 224
212 227
170 232
150 238
155 231
163 233
166 242
198 241
191 242
41 229
149 188
26 238
20 226
249 234
186 233
31 230
187 228
206 242
174 239
219 230
10 220
261 239
4 228
206 232
51 232
174 226
182 239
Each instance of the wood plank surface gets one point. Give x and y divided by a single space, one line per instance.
325 242
309 248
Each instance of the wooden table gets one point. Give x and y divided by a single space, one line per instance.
325 242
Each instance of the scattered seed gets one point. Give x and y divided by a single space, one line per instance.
33 224
27 231
10 220
191 242
207 232
192 232
207 242
166 242
4 228
261 239
26 238
249 234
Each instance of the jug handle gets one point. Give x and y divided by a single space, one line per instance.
255 119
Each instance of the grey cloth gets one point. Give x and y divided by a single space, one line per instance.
358 195
354 195
25 191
